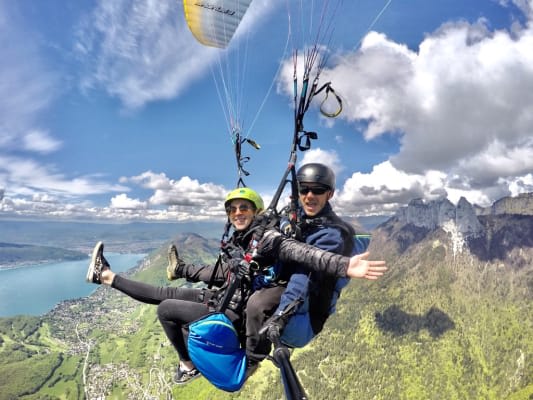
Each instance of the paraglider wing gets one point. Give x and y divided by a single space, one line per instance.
213 22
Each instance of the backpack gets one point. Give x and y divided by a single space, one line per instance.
216 352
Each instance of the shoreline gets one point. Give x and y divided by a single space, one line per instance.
37 282
23 264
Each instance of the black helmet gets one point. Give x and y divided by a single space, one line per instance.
316 173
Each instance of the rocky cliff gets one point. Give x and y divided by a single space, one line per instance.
440 213
503 231
521 205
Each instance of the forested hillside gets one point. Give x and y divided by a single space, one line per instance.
441 325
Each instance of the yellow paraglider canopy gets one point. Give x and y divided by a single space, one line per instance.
213 22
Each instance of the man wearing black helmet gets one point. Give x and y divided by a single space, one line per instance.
318 225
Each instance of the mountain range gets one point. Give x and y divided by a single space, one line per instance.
452 319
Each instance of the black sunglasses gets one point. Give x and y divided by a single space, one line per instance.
242 208
315 190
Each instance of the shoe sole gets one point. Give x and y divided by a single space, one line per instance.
171 250
92 265
188 380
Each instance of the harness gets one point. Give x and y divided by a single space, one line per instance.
214 341
233 294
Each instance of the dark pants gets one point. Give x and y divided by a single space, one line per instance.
259 308
177 307
173 314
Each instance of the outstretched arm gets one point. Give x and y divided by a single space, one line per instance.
273 244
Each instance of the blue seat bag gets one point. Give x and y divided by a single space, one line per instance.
215 350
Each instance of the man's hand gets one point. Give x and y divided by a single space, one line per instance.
360 267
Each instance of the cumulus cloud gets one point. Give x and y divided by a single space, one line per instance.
184 199
150 180
460 106
522 184
182 192
326 157
122 201
385 189
445 112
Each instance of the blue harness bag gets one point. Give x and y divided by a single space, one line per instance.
215 350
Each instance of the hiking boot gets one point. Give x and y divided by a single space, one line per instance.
183 376
175 265
98 263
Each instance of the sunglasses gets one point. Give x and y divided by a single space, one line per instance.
315 190
242 208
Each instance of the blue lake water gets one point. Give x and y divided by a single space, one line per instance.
36 289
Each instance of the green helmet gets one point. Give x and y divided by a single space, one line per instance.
246 194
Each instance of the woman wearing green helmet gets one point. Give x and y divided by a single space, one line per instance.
179 306
242 205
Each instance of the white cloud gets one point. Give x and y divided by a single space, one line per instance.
523 184
525 5
460 107
184 199
183 192
187 192
326 157
44 198
150 180
40 142
386 188
122 201
27 83
20 176
142 50
446 112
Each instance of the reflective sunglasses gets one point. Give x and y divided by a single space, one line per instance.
315 190
242 208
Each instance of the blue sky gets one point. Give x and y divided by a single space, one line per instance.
109 110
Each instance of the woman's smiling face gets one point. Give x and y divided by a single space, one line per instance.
241 213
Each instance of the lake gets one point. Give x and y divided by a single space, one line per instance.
36 289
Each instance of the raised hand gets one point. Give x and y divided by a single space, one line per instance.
360 267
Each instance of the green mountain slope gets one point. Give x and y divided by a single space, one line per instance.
441 325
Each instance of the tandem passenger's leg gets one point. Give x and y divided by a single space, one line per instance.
173 315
